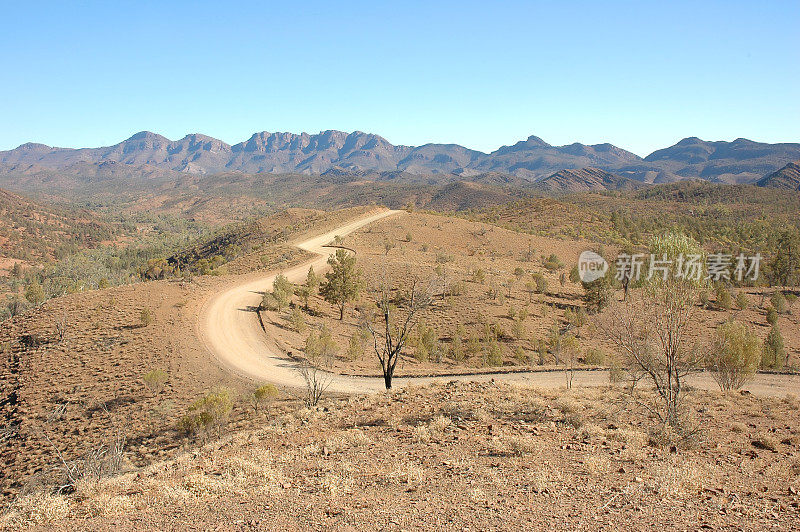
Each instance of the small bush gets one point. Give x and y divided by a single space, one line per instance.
778 302
155 380
594 357
457 350
723 295
320 345
742 301
494 353
146 317
552 262
512 312
703 299
263 395
734 355
355 347
577 318
297 320
772 316
518 329
541 283
773 352
520 355
212 411
427 344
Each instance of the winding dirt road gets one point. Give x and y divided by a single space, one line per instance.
229 327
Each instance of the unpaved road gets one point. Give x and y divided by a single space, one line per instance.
229 327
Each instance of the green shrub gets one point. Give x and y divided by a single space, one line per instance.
779 302
263 395
155 380
541 350
457 350
742 301
734 355
723 295
355 347
772 316
34 293
541 283
212 411
521 356
297 320
494 353
320 346
773 352
594 357
552 262
427 344
518 329
146 317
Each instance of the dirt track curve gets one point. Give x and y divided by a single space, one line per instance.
230 329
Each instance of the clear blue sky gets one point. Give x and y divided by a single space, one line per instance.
641 75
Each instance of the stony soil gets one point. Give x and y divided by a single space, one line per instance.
463 457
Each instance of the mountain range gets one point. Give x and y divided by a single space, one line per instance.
530 160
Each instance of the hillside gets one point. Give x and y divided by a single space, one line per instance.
34 232
584 180
156 157
787 178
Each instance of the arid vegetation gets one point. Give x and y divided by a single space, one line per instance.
122 371
464 455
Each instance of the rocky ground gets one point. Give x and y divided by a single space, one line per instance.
463 457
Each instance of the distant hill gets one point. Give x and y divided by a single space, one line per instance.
740 161
365 154
787 178
33 232
585 180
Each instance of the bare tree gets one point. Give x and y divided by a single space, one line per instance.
316 378
649 329
62 324
397 314
314 367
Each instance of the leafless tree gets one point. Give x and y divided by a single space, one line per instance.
314 370
649 329
62 323
398 312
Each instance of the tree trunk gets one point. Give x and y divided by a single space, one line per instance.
341 312
387 380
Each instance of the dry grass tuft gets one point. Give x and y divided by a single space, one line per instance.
36 509
597 464
679 479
